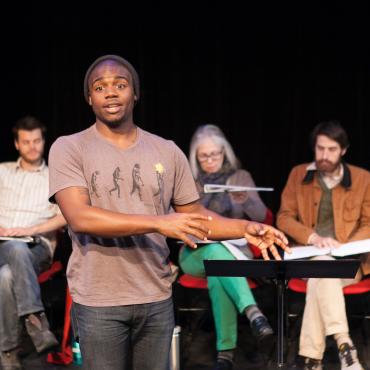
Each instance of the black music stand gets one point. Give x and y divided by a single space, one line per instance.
281 271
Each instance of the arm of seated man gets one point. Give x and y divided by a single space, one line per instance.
53 223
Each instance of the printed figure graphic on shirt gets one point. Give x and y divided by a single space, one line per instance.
159 169
94 187
137 182
115 182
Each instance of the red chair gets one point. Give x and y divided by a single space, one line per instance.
62 252
48 274
189 281
52 281
363 286
65 356
49 286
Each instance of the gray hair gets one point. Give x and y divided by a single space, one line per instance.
214 133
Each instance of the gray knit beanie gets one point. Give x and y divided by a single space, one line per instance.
120 60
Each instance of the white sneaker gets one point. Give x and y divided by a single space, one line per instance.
348 357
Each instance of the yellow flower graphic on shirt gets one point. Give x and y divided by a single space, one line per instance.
159 168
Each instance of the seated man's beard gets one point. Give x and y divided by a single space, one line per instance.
327 166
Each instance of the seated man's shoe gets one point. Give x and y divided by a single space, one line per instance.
312 364
223 364
37 327
348 357
262 330
10 360
306 363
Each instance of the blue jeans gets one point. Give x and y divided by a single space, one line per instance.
110 336
19 287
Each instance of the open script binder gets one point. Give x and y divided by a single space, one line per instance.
26 239
346 249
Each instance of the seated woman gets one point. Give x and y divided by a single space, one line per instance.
213 161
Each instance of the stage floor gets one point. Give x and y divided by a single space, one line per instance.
199 355
198 346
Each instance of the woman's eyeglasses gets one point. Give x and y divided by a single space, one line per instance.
203 157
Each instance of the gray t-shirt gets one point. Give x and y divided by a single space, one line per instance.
146 178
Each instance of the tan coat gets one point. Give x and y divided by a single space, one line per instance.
300 202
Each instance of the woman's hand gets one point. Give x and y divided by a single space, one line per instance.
239 197
265 237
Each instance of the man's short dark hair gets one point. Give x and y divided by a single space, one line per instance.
333 130
28 123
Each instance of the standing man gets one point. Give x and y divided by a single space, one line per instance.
119 273
25 211
326 203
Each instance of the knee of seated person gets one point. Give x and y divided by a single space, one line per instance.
213 282
20 249
316 284
217 251
323 258
6 276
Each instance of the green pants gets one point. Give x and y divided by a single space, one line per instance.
229 295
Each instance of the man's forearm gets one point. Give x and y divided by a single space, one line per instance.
98 221
223 228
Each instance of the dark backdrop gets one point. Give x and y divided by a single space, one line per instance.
266 75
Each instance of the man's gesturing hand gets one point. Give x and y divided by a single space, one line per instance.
265 237
181 225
